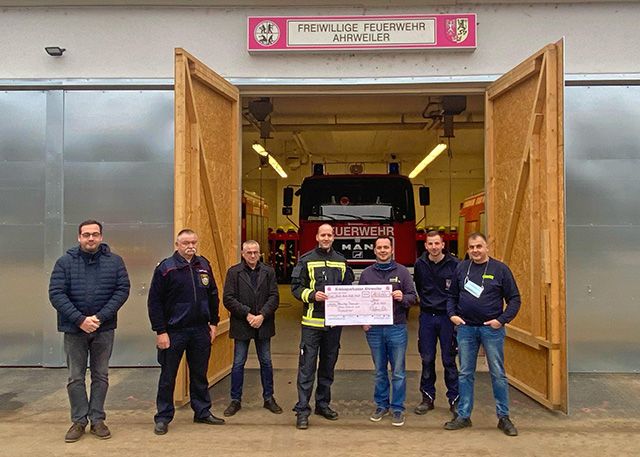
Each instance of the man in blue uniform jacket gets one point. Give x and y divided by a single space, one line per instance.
479 290
433 274
183 309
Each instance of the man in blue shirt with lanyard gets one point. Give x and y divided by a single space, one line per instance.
480 287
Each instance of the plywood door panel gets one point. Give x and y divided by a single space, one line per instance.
525 217
207 197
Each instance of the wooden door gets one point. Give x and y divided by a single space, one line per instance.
207 184
525 217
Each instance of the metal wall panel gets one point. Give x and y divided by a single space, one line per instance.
603 227
118 168
22 190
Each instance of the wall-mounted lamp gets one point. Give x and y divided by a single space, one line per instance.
55 51
433 155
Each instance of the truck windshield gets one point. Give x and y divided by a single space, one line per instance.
379 197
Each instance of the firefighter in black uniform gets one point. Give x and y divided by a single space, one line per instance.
316 269
183 309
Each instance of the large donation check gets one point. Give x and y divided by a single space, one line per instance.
358 305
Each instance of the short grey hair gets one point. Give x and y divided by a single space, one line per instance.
250 243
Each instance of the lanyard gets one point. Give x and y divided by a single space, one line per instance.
466 279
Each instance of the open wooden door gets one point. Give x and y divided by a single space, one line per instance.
525 217
207 184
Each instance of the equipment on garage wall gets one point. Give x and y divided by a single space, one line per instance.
255 217
283 252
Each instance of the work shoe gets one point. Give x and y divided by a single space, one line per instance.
210 420
272 406
233 408
74 433
100 430
327 413
302 422
161 428
378 414
397 420
505 424
458 423
422 408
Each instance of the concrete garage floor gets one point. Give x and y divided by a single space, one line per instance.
34 418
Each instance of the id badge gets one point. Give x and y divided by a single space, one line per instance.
473 288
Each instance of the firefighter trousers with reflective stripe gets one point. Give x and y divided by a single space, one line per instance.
318 348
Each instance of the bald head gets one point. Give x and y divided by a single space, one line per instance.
324 237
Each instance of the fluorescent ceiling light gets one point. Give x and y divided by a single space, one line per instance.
276 166
272 161
260 149
433 155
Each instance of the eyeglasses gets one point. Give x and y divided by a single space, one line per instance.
252 253
89 235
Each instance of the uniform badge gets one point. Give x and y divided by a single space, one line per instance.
204 279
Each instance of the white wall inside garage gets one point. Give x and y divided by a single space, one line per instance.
138 42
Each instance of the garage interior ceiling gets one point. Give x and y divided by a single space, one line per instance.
358 128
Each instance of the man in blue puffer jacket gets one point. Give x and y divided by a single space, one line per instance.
88 286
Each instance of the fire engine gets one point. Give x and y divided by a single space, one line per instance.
360 207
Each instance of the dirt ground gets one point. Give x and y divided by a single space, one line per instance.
604 421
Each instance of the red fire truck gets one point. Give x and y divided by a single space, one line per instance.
360 207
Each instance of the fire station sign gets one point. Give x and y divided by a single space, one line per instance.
361 33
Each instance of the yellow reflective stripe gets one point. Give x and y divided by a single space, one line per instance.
487 276
305 295
341 265
311 268
310 309
312 321
316 263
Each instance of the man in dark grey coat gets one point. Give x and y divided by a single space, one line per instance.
251 296
88 286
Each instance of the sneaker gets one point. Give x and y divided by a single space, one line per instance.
74 433
233 408
505 424
458 423
378 414
302 422
424 407
100 430
272 406
397 420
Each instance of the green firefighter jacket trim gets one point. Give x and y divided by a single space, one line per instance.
315 270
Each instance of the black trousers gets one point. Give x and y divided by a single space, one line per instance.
319 349
196 341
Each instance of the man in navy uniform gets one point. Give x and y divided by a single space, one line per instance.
183 310
433 273
479 290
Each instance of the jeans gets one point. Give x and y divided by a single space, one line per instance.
388 345
240 351
97 347
469 340
196 341
434 327
318 347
